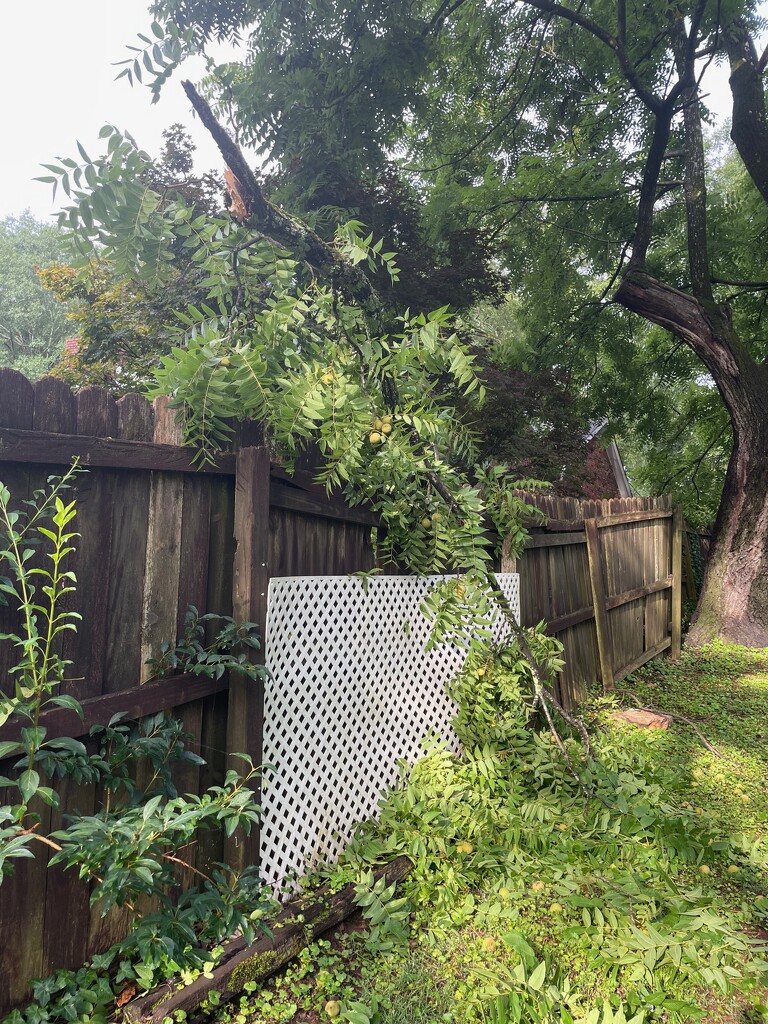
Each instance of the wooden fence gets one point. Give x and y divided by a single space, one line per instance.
159 534
606 577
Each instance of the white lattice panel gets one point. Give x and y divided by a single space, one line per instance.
351 691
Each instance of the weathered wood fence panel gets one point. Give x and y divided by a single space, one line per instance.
606 576
158 534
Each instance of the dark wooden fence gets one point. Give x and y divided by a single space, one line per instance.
159 534
606 577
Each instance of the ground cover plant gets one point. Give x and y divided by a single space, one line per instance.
528 903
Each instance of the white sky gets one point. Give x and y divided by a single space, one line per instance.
57 85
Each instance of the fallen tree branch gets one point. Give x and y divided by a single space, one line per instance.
283 229
297 925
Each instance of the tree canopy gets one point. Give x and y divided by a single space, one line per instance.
33 325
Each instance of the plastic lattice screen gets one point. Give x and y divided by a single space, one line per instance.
351 691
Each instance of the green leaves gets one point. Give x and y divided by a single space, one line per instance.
387 914
35 555
28 784
226 652
158 57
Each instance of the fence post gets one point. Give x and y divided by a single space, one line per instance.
602 624
245 719
691 592
677 580
508 563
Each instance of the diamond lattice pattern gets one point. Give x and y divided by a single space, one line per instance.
351 691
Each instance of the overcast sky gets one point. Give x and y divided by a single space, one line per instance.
57 85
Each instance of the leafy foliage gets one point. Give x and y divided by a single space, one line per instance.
37 591
193 654
123 323
273 342
530 127
528 905
33 326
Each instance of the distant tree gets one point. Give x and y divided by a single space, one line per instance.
125 326
532 419
33 325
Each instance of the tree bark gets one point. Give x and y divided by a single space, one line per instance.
749 127
734 600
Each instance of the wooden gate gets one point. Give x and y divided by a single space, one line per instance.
635 574
606 577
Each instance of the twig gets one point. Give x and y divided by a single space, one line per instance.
623 892
187 865
678 718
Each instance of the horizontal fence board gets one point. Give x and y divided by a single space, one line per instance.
137 702
544 540
298 499
50 449
572 619
617 519
652 652
633 595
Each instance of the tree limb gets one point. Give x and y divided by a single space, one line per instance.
282 228
575 17
749 126
649 186
682 314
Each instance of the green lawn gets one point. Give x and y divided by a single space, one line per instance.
529 902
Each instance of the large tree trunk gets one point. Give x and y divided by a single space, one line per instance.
734 600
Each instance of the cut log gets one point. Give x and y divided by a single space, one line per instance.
643 719
296 926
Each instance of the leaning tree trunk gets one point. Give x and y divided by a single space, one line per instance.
734 601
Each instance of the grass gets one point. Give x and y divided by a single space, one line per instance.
509 893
